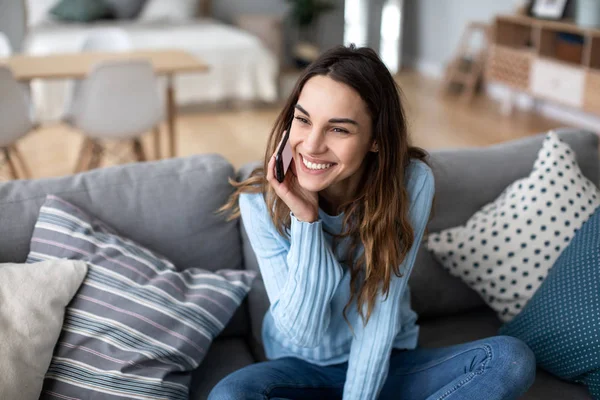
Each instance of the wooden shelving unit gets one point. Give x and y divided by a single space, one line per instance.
555 61
594 58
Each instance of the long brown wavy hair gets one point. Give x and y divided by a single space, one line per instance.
377 218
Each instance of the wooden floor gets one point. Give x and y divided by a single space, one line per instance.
240 135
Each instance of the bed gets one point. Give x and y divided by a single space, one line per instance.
242 67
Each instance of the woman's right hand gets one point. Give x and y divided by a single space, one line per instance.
301 202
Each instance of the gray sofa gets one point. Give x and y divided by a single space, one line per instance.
169 207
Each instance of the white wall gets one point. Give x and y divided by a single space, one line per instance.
432 28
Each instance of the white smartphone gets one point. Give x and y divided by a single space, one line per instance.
283 157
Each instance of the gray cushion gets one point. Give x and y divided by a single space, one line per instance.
167 206
482 323
224 357
466 180
430 298
126 9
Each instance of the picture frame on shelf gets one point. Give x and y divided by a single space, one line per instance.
548 9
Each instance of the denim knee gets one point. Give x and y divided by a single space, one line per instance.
232 389
519 361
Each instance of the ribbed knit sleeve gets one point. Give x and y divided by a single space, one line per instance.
300 275
371 347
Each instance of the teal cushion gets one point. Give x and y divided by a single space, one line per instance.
126 9
561 323
82 10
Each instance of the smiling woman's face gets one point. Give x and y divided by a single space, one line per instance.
330 135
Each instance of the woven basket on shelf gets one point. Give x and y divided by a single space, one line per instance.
509 66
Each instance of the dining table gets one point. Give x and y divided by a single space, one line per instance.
165 62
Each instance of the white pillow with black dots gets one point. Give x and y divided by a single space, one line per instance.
506 249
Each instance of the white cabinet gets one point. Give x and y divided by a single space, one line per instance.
558 82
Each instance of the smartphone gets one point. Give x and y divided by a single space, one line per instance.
283 157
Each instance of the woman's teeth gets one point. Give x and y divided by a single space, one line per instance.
310 165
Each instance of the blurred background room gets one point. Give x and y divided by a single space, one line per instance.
90 83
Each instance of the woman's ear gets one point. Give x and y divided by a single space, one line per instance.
374 147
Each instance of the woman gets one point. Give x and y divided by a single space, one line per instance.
336 242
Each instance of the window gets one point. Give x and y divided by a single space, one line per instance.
390 33
355 22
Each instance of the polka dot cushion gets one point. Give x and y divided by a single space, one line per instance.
505 250
561 323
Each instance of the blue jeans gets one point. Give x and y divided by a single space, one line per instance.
500 367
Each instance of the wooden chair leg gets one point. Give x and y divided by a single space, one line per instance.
97 152
157 143
84 155
138 150
11 164
24 168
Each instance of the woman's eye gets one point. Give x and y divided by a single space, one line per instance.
302 120
340 130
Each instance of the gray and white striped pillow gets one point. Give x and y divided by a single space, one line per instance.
137 327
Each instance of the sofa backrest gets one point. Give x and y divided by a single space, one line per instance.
168 206
466 180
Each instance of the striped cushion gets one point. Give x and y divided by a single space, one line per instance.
137 326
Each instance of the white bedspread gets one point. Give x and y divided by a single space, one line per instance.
241 67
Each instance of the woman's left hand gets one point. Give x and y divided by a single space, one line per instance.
301 202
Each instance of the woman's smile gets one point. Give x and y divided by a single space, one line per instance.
313 166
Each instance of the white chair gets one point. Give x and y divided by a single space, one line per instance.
6 51
105 39
15 120
5 47
119 100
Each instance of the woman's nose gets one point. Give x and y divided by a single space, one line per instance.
315 142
